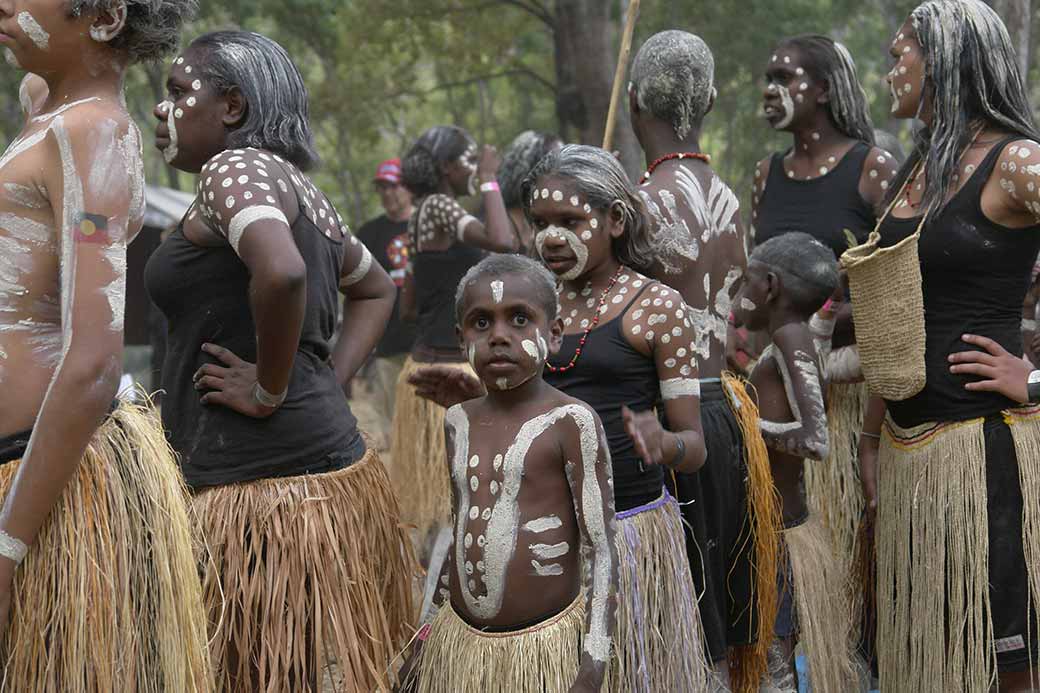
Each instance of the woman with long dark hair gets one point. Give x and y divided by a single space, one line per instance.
958 545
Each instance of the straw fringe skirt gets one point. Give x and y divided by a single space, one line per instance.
458 658
419 468
750 663
659 638
833 487
819 579
933 532
309 576
108 598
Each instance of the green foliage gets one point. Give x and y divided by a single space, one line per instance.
381 72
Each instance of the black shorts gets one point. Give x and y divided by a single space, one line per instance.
1013 613
719 541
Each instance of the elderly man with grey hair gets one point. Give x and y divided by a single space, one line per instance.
700 250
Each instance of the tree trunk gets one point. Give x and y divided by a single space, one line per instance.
586 41
1017 16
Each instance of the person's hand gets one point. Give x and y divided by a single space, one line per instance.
1001 371
445 385
487 165
645 430
231 385
868 454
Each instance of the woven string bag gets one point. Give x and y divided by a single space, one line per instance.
888 312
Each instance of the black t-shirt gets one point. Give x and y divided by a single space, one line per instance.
204 294
388 242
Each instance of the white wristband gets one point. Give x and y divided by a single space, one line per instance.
266 398
12 548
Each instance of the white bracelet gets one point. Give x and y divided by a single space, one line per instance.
12 548
266 398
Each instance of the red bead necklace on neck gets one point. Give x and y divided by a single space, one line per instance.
667 157
592 325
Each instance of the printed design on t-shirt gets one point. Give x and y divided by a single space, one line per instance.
397 254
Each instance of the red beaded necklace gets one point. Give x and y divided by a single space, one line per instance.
592 325
667 157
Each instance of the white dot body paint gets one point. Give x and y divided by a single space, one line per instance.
503 520
496 290
196 85
190 103
747 304
33 30
557 196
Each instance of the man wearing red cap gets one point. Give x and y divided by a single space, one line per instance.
386 237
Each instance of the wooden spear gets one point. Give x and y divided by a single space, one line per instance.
619 73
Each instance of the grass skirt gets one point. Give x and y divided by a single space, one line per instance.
307 573
750 663
458 658
833 488
659 639
932 530
819 580
419 467
108 597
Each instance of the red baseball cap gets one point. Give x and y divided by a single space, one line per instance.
389 171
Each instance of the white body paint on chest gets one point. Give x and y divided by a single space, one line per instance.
816 427
543 524
503 520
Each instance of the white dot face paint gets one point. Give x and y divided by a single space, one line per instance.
33 30
747 304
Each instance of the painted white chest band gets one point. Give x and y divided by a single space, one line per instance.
241 221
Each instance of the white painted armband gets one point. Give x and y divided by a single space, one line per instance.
460 227
680 387
360 271
12 547
1028 325
241 221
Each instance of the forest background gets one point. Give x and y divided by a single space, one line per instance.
380 72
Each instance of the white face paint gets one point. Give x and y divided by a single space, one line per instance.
33 30
786 106
747 304
496 290
170 150
577 246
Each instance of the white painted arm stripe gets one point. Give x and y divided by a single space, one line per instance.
680 387
241 221
460 227
360 271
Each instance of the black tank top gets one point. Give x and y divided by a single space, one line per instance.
974 277
610 373
436 275
203 292
822 207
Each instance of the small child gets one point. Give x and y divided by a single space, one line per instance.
788 278
528 593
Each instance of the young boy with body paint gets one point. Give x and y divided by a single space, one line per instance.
528 593
789 277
